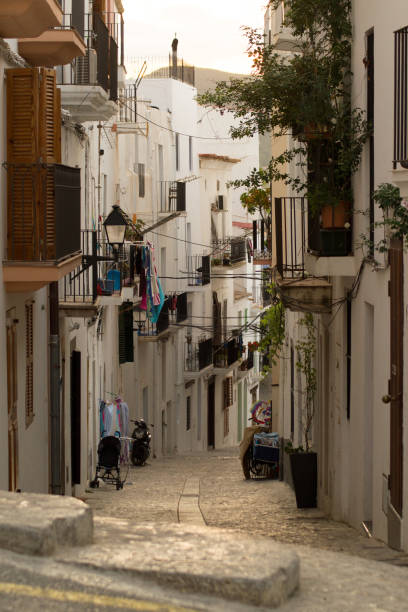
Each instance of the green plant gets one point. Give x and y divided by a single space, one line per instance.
273 333
134 231
306 94
306 352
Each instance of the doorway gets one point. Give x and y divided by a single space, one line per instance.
75 418
12 404
396 292
211 414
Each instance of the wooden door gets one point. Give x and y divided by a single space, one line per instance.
211 415
76 417
396 287
12 405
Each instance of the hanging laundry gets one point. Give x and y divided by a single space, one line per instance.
155 295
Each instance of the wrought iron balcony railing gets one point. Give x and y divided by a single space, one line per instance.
43 212
99 66
178 308
228 353
198 270
229 251
198 355
145 328
96 277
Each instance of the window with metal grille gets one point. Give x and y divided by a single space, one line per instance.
188 413
141 169
29 392
228 393
401 98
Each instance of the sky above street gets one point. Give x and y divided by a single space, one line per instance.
209 32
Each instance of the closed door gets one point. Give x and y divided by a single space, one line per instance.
396 379
76 417
211 415
12 406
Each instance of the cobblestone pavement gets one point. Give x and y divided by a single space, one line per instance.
259 507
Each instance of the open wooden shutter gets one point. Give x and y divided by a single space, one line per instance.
228 399
29 393
33 137
126 349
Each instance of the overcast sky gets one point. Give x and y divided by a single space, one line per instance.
208 31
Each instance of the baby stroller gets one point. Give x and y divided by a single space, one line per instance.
108 466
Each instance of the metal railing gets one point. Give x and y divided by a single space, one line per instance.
198 270
172 196
127 100
146 328
164 68
248 363
178 308
229 251
99 65
43 212
198 355
290 228
100 278
228 353
401 98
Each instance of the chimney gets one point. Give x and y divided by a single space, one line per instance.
174 62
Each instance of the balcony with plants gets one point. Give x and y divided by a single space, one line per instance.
307 96
89 84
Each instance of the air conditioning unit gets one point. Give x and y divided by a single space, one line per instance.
86 68
93 67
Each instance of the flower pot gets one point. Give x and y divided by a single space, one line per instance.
335 216
304 475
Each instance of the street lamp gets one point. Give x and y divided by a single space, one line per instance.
115 226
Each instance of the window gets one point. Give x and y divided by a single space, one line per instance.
141 171
177 151
400 99
228 392
126 352
29 395
190 152
188 413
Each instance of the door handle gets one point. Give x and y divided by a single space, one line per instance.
387 399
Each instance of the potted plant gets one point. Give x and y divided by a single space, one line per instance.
395 210
303 459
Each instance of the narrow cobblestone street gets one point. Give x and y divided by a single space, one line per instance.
226 500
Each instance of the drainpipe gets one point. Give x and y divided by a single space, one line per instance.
55 400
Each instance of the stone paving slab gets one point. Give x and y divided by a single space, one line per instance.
203 560
37 524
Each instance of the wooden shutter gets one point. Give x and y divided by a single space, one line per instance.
29 391
228 399
126 349
33 137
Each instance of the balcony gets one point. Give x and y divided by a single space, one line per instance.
54 47
298 291
229 252
198 271
151 332
43 225
89 85
25 18
228 354
178 308
198 355
247 364
127 118
101 278
172 196
280 37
